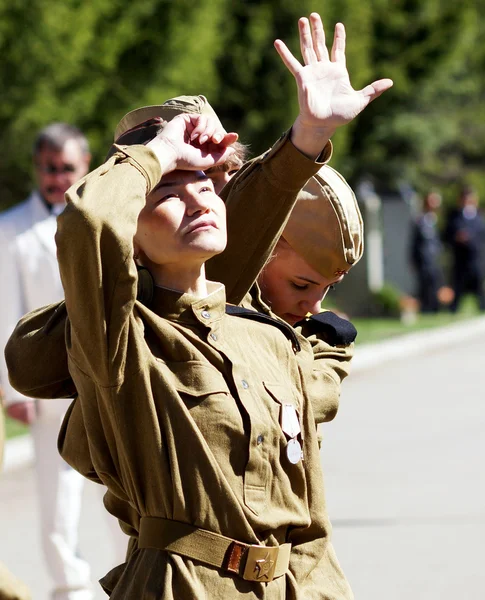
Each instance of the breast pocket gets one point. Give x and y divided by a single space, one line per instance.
214 412
198 382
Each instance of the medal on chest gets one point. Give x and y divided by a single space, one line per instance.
290 425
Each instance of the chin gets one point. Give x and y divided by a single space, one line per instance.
291 319
210 245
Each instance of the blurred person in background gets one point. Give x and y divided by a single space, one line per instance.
30 278
426 249
10 587
465 235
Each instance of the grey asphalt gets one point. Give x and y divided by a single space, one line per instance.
405 482
405 477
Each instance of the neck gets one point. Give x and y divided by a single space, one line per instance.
188 280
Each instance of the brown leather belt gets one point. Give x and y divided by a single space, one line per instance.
249 561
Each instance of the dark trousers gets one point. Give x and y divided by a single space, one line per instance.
467 279
429 281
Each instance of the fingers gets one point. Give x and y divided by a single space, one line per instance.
22 411
229 139
374 90
312 44
207 129
306 42
338 46
287 57
200 126
318 37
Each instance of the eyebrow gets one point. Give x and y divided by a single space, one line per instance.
306 279
176 183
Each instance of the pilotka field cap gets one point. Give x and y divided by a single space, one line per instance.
326 225
166 111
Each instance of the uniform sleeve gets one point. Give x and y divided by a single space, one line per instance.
331 340
40 333
95 253
259 200
12 305
324 376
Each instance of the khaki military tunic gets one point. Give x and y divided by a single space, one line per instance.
259 199
181 407
324 364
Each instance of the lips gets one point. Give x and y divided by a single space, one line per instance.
200 224
290 318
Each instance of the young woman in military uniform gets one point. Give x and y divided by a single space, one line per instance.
119 342
182 422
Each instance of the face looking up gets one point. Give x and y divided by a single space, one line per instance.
57 170
183 223
291 286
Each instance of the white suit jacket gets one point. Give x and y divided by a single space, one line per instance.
29 277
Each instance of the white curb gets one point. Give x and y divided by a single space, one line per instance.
19 451
369 356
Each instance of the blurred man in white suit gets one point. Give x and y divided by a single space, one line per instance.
30 278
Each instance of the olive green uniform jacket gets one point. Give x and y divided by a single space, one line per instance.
258 201
182 421
272 176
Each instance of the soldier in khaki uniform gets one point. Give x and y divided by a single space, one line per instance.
181 371
98 366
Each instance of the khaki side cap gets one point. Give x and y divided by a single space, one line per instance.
167 111
326 226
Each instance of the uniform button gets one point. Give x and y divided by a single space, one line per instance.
214 337
260 439
206 314
245 384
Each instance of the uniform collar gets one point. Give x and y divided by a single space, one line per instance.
185 308
257 302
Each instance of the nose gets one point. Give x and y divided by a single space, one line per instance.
313 302
196 203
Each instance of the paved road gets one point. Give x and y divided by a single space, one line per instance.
405 485
405 478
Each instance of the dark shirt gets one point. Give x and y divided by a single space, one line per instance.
425 242
465 233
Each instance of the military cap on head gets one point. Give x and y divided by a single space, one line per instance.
162 112
325 226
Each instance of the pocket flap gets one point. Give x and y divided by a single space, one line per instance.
197 378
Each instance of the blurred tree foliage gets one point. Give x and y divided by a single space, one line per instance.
89 63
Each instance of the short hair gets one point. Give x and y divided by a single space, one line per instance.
56 135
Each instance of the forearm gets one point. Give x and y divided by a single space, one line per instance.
95 253
36 354
259 200
328 343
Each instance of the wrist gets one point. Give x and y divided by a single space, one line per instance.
165 153
310 139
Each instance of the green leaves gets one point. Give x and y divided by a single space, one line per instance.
89 63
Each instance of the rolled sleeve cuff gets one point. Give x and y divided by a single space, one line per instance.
143 159
293 169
